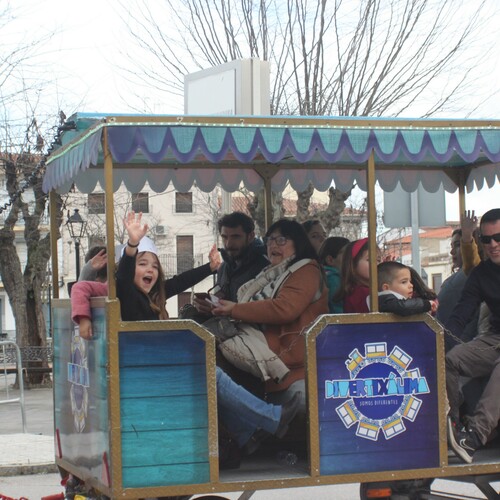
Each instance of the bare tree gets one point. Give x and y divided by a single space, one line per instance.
23 210
364 58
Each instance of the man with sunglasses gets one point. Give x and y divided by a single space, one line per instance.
481 356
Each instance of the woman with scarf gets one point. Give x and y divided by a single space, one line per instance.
274 309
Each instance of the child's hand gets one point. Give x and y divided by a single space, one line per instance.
99 260
468 224
85 328
434 306
135 228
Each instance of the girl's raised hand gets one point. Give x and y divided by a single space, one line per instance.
134 227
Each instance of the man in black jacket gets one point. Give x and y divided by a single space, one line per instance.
481 356
244 256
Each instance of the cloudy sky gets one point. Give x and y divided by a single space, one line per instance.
81 62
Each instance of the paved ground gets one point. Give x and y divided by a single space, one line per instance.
27 468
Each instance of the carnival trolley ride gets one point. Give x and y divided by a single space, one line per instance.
135 407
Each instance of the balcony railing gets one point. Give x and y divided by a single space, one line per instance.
173 264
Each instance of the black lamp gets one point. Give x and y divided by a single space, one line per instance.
77 227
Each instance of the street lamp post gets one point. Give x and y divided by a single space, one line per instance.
76 226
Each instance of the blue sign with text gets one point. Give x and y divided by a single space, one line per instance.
377 397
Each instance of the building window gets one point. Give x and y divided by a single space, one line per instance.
184 203
185 259
96 203
437 281
140 202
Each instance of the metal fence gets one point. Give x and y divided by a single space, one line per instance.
173 264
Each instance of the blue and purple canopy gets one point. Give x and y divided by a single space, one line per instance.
231 150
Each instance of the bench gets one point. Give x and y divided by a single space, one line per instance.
29 356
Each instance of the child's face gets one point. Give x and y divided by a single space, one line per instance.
317 235
401 284
146 271
363 267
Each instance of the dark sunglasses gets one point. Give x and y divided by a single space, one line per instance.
486 240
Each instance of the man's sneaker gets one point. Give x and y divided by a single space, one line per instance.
464 443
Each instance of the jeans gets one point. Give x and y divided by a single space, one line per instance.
282 397
476 359
241 412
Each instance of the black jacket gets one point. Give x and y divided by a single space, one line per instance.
232 274
390 302
482 285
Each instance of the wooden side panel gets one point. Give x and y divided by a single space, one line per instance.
81 392
163 407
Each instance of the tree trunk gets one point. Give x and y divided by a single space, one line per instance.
24 287
256 207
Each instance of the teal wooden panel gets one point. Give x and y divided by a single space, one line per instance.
163 404
157 448
160 413
165 475
163 347
162 381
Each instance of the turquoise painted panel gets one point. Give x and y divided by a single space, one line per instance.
162 381
157 448
165 475
160 413
160 348
163 404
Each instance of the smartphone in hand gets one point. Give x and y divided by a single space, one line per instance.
213 300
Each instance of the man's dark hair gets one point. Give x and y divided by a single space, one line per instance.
456 231
236 219
490 216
